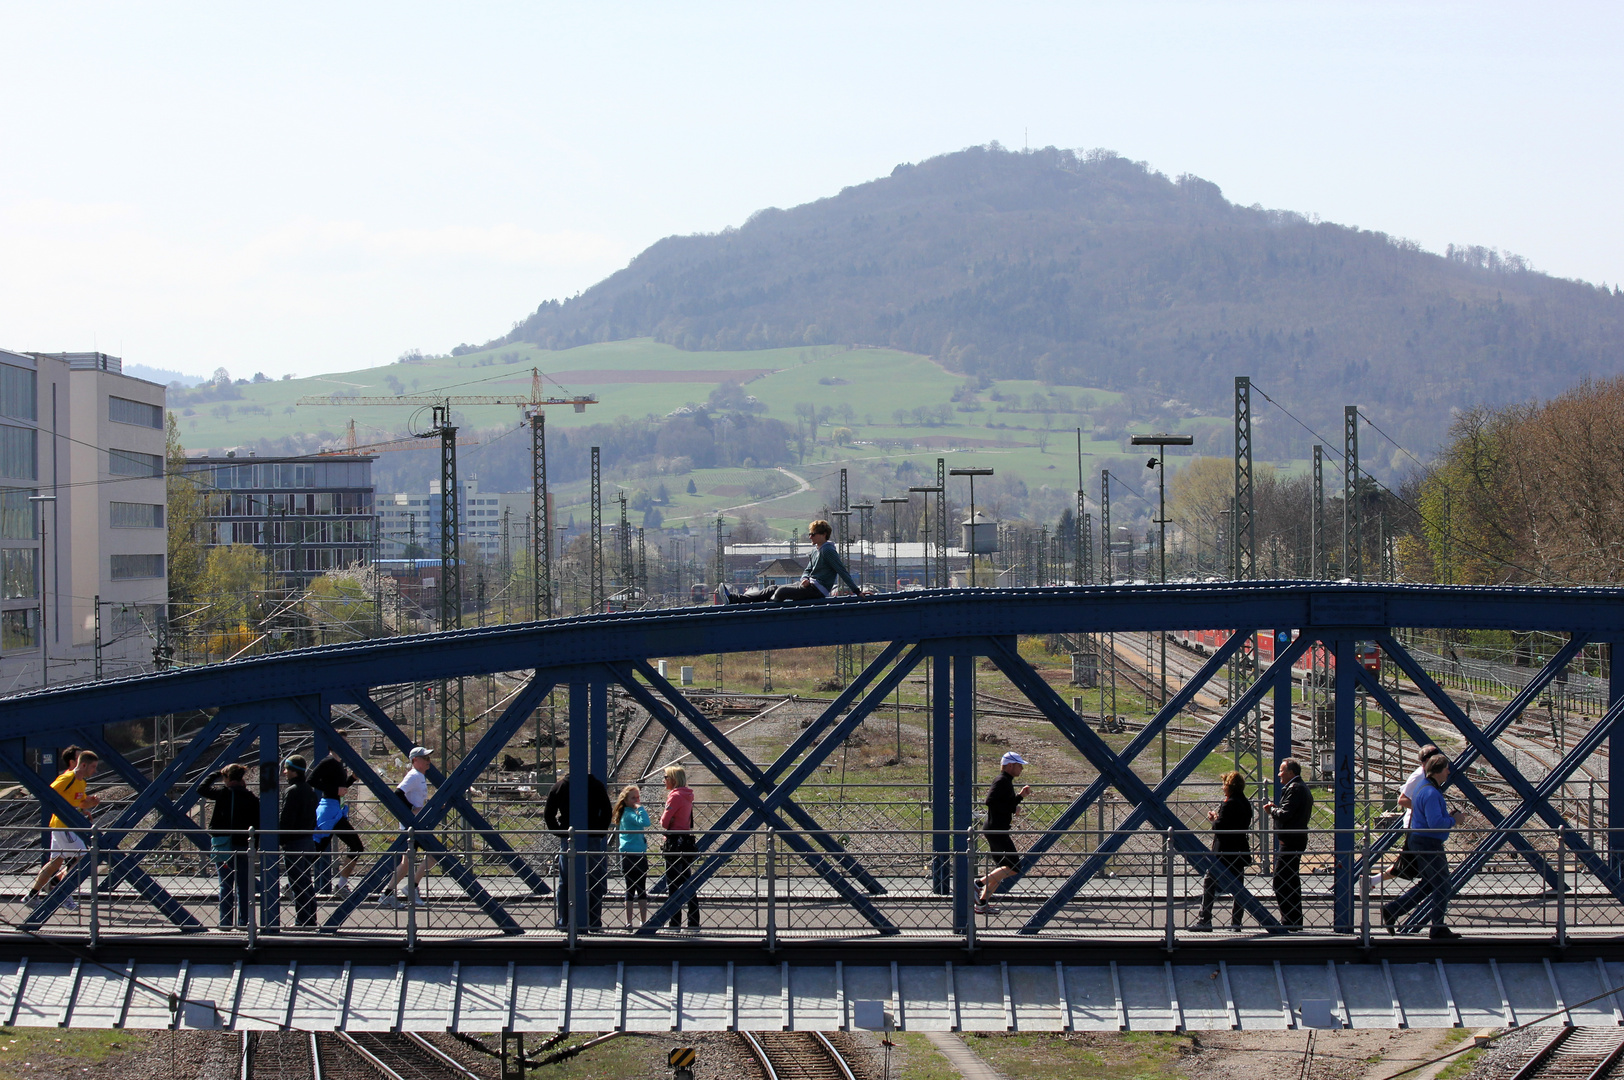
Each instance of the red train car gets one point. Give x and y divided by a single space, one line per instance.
1207 642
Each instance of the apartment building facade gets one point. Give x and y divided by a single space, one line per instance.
309 514
409 522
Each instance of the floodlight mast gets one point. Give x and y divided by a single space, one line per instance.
972 474
1161 442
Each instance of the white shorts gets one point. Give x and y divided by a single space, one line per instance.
66 843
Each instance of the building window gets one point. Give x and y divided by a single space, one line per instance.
133 463
127 515
124 411
16 515
19 629
17 393
137 566
19 452
17 578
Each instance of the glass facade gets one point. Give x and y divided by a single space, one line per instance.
18 577
17 515
19 394
19 452
137 566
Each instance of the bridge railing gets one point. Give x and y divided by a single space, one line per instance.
778 885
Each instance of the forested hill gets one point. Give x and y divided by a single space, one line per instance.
1094 270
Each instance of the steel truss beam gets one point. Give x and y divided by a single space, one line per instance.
1149 806
808 737
125 865
1469 756
476 821
439 804
1535 798
1164 716
743 764
760 808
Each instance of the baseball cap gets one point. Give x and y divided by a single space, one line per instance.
1012 758
420 751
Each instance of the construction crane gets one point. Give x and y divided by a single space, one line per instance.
410 442
540 510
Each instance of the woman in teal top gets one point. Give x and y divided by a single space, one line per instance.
631 823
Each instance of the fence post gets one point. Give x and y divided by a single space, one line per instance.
1364 892
975 894
411 891
569 884
252 886
1171 941
95 874
772 890
1562 887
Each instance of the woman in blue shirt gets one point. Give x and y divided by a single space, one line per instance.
823 572
631 822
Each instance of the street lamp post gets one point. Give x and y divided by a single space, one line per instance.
44 638
972 474
893 503
1161 442
865 531
941 555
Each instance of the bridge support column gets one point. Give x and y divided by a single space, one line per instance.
1282 750
941 779
1342 785
964 750
599 734
576 894
270 806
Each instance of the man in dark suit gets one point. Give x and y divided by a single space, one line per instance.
1291 840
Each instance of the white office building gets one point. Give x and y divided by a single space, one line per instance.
82 518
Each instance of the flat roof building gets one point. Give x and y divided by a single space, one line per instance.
309 514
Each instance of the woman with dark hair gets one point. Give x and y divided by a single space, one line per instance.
236 810
1230 822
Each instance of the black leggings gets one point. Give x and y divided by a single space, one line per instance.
634 868
779 594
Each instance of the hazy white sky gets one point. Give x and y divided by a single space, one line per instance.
308 187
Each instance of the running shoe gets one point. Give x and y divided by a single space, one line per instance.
70 904
390 902
986 909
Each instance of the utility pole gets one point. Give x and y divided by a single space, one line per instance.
595 584
450 570
1316 538
1353 538
541 540
1245 531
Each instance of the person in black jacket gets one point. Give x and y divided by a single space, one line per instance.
1002 803
599 812
1291 840
332 782
236 810
1233 843
296 825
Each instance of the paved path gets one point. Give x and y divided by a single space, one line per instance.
965 1060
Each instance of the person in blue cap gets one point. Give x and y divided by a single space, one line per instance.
1002 803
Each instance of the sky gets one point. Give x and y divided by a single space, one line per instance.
309 187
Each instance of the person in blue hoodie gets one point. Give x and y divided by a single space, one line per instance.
1430 822
818 583
631 828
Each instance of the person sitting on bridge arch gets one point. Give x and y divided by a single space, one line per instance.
818 583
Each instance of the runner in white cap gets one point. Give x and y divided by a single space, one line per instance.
1002 802
413 790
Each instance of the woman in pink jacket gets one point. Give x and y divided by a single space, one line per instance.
677 821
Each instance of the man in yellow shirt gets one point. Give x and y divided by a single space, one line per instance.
66 844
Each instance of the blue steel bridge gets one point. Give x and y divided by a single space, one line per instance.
804 914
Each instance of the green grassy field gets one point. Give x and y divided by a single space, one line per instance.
880 395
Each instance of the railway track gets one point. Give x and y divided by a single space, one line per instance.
1574 1053
336 1055
797 1055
